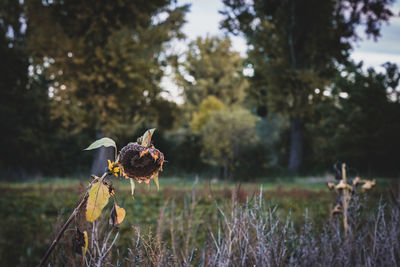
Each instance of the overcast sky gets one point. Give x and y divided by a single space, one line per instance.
203 19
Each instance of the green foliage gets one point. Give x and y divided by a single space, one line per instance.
29 211
72 70
295 47
206 108
362 128
211 68
24 103
225 135
106 59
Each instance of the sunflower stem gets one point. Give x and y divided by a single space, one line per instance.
71 217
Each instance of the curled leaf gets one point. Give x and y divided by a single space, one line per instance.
117 215
105 141
155 154
79 242
97 200
146 138
144 152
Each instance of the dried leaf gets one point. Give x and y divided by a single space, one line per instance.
117 215
146 138
132 186
331 186
357 181
107 142
86 240
343 185
79 241
154 154
337 209
144 152
97 200
155 177
368 185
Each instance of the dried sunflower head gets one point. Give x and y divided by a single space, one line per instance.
139 162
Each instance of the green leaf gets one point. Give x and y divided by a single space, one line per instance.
97 200
146 138
105 141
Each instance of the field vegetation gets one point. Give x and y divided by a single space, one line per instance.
208 223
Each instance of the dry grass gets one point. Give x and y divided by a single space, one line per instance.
254 234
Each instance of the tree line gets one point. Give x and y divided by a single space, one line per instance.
74 71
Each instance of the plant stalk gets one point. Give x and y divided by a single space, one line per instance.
62 230
345 200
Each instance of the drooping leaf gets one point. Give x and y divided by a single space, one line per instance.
79 241
146 138
105 141
155 177
97 200
132 186
117 215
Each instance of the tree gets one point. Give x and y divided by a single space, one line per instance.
361 126
295 47
23 106
206 108
210 67
225 136
105 61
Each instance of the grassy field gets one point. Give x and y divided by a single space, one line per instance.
32 212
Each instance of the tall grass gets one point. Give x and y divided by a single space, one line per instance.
254 234
204 227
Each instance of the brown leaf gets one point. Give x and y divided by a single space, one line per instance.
117 215
79 241
144 152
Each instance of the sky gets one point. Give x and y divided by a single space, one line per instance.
203 19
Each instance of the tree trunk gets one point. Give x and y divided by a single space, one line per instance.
101 157
296 144
226 171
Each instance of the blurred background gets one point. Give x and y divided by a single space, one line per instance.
256 98
237 89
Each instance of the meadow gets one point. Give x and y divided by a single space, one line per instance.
201 222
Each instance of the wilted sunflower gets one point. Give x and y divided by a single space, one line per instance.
140 163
